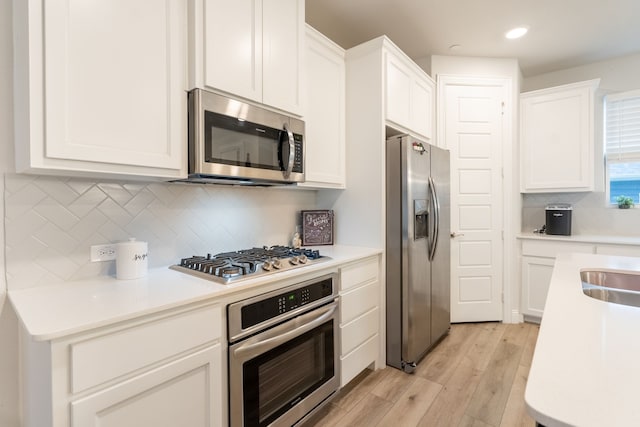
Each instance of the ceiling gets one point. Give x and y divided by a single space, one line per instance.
562 33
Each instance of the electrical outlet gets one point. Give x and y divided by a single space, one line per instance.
103 253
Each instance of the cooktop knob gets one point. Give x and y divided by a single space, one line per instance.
294 260
277 264
267 266
303 259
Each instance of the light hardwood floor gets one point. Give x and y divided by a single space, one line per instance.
475 377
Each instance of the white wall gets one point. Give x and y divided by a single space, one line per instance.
498 68
9 415
591 214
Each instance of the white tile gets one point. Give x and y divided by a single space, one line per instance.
16 182
57 189
16 204
56 238
19 228
56 213
139 202
57 264
116 192
115 212
88 225
177 220
87 201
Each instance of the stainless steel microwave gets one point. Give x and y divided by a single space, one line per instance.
234 142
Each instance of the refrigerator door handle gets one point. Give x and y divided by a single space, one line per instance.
436 219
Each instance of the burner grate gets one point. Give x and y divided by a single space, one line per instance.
229 265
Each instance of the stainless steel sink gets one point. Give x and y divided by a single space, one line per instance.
612 286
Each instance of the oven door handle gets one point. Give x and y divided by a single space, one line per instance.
285 332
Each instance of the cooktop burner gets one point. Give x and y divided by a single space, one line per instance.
228 267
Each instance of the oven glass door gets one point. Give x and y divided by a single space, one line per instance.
280 378
280 375
235 142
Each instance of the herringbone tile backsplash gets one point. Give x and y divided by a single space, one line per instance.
50 223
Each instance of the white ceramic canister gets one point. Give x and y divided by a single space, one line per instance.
132 259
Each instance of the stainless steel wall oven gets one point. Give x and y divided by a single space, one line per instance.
283 353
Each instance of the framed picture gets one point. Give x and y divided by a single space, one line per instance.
317 228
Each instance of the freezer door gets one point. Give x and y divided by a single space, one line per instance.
416 320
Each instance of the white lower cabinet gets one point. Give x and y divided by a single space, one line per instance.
178 393
536 277
359 317
160 370
538 258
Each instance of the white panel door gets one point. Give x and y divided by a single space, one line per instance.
473 134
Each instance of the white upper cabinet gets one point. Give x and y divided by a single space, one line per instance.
100 90
556 137
231 46
409 95
324 112
249 48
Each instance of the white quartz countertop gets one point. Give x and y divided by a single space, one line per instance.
50 312
585 367
583 238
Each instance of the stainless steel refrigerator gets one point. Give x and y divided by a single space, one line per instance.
417 249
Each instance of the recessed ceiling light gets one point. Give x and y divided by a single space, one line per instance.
516 33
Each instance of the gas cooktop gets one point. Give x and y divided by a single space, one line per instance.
230 267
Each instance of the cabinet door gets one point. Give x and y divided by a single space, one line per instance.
232 32
185 392
114 83
324 112
422 102
409 97
398 91
283 32
536 277
557 139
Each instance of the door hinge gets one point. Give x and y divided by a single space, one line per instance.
502 234
502 112
502 297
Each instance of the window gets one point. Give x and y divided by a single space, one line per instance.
622 145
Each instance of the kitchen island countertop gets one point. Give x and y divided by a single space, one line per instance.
584 370
54 311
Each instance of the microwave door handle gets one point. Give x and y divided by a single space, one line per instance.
292 151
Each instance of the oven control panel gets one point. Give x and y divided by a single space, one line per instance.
269 308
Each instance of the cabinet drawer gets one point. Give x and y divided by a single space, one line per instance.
102 358
356 361
359 330
358 301
552 249
359 273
